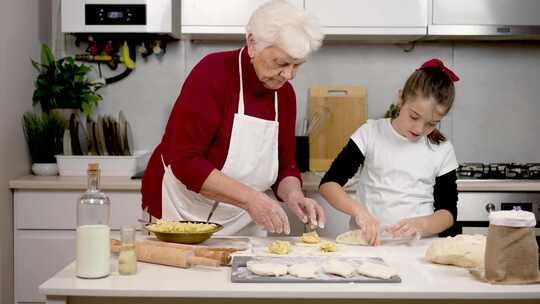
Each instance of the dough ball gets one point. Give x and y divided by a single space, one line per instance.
304 270
328 247
267 269
280 247
310 237
462 250
339 268
375 270
352 237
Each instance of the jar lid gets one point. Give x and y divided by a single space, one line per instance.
512 218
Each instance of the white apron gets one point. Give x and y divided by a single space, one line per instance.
252 160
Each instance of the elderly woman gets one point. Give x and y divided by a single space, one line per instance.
230 135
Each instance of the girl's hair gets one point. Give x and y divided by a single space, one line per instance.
431 82
281 24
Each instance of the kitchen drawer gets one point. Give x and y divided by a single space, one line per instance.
39 254
53 209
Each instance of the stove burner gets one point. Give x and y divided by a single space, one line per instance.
499 171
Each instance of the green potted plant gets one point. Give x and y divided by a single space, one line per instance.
63 84
44 135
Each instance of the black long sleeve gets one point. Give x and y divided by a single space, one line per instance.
345 165
445 197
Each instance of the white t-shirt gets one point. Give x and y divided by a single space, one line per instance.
398 175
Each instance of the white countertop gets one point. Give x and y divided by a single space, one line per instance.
420 280
73 183
310 183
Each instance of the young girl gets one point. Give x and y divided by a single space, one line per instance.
407 185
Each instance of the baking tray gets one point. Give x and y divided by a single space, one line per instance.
240 273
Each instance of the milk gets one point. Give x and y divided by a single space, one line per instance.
93 251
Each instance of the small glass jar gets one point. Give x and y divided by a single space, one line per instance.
127 259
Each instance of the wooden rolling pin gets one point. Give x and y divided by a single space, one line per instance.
171 256
166 255
175 254
223 255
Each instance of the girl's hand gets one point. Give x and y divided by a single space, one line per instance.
369 226
409 227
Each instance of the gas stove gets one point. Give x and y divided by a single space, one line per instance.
499 171
475 205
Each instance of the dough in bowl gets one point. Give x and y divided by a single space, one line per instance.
462 250
267 269
352 237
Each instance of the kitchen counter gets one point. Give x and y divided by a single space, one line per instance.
161 284
310 183
73 183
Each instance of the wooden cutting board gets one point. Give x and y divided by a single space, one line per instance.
334 113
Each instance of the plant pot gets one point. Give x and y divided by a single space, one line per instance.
45 169
65 113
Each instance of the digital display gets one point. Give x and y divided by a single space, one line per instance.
115 14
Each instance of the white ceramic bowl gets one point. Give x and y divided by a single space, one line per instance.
45 169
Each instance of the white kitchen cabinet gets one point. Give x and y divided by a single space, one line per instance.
339 18
366 17
44 232
201 17
484 18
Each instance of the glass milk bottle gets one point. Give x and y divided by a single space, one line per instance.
93 231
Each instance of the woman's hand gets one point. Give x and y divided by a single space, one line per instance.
369 226
267 213
409 227
306 209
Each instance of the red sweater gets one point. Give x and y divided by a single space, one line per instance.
197 135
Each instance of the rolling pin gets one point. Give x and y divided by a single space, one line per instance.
167 255
171 256
223 255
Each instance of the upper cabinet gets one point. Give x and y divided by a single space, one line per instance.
511 18
219 17
371 18
375 19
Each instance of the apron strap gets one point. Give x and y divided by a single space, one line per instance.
241 93
163 161
276 105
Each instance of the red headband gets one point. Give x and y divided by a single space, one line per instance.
436 63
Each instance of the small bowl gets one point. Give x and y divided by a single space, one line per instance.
186 237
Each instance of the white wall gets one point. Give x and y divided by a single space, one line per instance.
494 118
23 25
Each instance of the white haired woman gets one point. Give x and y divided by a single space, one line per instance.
230 135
